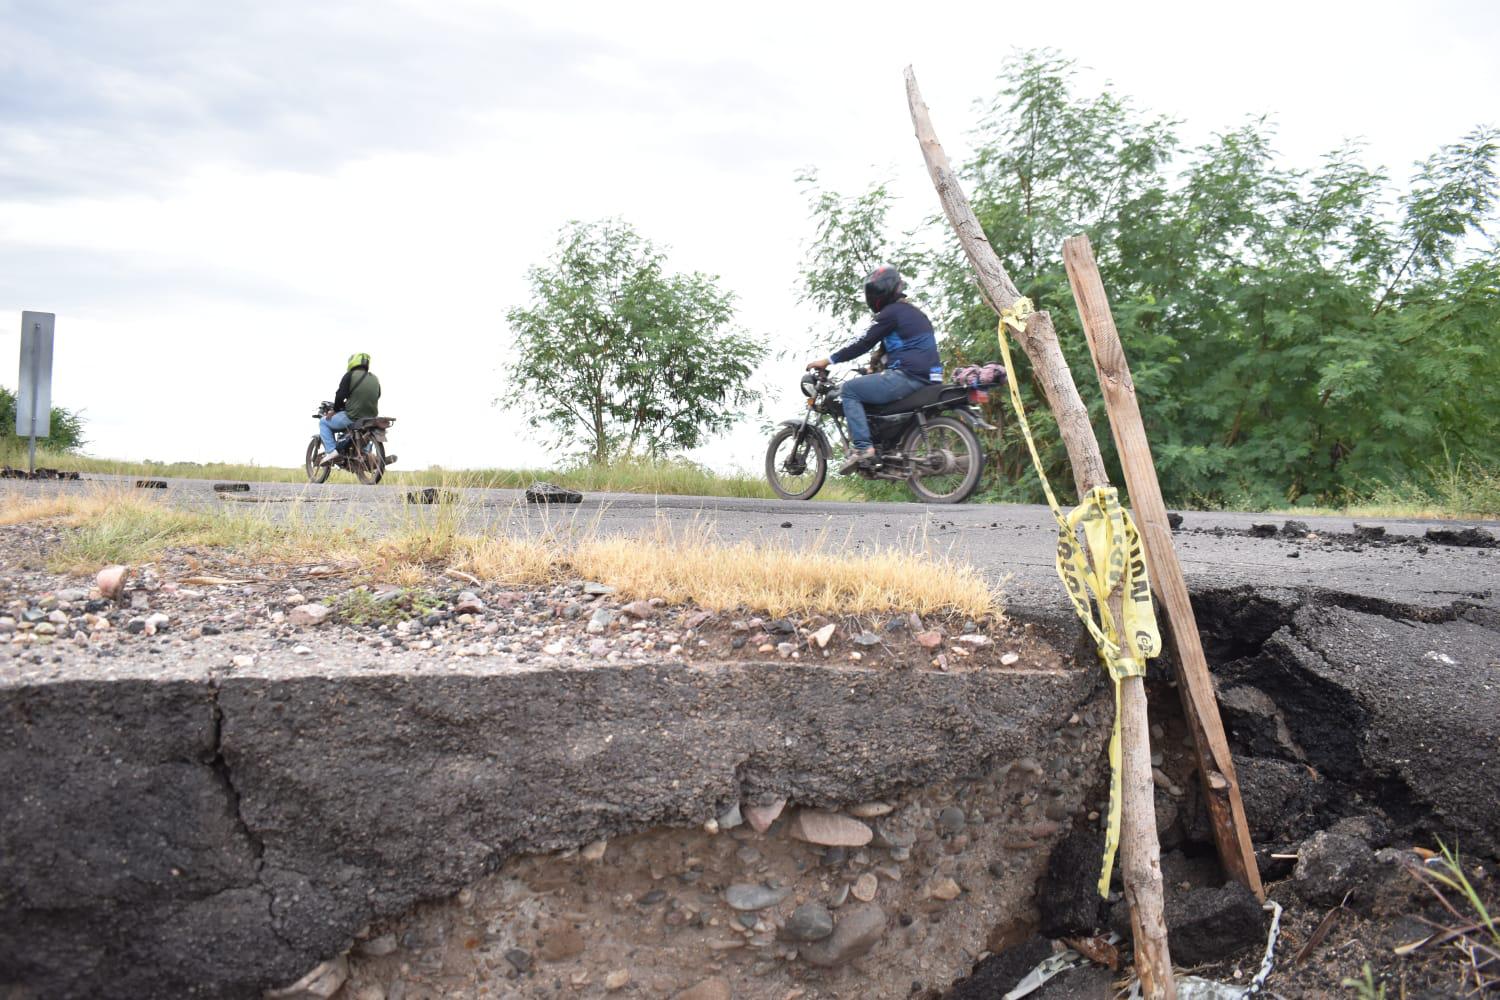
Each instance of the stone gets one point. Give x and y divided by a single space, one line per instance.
309 615
594 851
599 621
519 959
468 604
1008 659
870 810
322 982
302 650
867 638
814 826
710 989
760 818
1206 925
748 897
641 610
822 635
731 818
598 589
855 933
808 922
1329 865
617 980
929 640
111 581
951 820
156 623
944 888
377 947
865 887
243 661
976 640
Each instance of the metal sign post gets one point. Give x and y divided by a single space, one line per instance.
34 388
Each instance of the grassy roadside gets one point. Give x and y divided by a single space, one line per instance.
679 565
667 478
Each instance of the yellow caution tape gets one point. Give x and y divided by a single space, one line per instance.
1113 558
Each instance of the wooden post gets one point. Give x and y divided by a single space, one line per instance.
1140 851
1215 765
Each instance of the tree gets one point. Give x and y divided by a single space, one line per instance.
618 353
1295 335
65 432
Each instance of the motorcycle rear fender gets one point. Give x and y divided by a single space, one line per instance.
815 431
973 419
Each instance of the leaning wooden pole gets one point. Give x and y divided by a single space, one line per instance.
1140 851
1215 765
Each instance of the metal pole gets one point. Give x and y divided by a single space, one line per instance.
36 374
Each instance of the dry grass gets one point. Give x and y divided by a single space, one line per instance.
680 565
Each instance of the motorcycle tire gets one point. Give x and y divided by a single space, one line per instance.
316 473
813 454
956 490
372 469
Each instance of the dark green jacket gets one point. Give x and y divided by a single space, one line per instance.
358 395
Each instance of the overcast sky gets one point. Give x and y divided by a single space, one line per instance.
222 201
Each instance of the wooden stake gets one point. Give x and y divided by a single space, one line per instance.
1140 852
1215 765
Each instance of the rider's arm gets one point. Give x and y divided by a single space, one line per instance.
342 396
883 325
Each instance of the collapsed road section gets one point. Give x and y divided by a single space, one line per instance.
191 836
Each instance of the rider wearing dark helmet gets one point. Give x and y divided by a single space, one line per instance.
911 358
358 397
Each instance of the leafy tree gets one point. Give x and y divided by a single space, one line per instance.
1294 334
617 353
65 433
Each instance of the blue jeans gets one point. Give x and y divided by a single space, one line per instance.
327 425
882 387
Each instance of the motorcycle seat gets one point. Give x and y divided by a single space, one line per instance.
923 397
365 423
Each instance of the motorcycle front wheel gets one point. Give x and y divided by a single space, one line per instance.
316 473
370 471
796 471
947 460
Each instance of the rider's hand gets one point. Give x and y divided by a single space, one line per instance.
820 363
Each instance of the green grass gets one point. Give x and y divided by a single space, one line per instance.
673 478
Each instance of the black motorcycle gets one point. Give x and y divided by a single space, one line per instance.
927 439
361 449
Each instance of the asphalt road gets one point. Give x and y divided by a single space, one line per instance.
1010 542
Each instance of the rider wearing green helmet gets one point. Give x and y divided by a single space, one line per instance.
358 397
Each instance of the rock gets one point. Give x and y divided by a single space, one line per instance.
731 818
1263 530
808 922
156 623
1284 802
1329 865
710 989
867 638
641 610
1068 896
309 615
976 640
302 650
519 959
760 818
322 982
748 897
1369 532
1294 529
822 635
951 820
865 887
815 826
598 589
599 621
1007 659
870 810
855 933
929 640
594 851
468 604
617 980
377 947
1256 725
1174 520
1206 925
243 661
560 942
111 581
944 888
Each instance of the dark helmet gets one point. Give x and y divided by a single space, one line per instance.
883 286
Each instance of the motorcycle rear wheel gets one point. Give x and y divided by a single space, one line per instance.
958 440
372 469
316 473
809 456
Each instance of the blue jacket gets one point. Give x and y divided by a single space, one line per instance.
910 344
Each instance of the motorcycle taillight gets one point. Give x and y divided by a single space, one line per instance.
977 396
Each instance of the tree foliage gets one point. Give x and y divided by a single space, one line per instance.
1295 335
615 352
65 433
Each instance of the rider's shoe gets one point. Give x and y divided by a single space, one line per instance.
857 460
329 458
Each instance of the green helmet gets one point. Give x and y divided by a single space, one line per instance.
360 360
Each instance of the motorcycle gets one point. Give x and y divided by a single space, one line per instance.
361 449
927 439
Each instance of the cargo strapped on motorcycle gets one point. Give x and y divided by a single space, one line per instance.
1113 558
